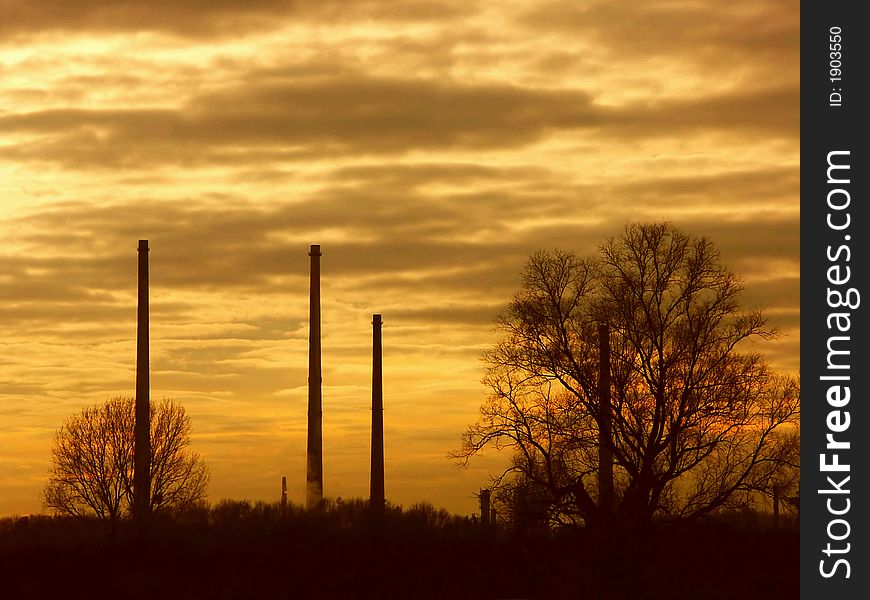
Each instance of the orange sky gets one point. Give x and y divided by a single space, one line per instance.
429 145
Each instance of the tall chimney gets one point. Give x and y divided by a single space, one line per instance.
376 495
142 448
314 477
605 453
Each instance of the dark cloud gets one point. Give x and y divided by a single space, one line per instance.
200 244
369 116
340 116
410 176
17 388
745 188
748 240
405 227
764 111
692 31
451 312
208 18
392 234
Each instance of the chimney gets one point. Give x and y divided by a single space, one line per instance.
142 448
314 477
485 496
376 495
283 494
605 453
775 506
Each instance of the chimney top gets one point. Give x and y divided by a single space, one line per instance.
143 244
376 319
315 250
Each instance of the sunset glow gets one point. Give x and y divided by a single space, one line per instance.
429 146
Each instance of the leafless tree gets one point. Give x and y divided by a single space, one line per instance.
92 463
697 417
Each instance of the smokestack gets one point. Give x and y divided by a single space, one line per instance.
605 454
775 506
485 496
314 477
283 494
142 448
376 494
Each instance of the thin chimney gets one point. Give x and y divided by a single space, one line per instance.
314 477
376 495
775 506
485 496
142 448
605 452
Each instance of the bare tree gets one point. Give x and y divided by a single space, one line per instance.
697 419
92 463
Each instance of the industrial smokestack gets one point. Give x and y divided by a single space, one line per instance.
485 496
605 453
283 494
775 506
376 494
142 448
314 477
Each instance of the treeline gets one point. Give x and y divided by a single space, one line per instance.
242 549
240 521
235 521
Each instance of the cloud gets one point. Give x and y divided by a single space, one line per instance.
362 115
693 30
340 116
208 18
739 188
767 111
430 146
390 242
464 209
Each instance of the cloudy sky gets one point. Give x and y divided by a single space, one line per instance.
429 145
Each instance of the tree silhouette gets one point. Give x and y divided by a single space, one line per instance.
699 422
92 463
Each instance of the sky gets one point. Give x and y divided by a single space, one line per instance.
429 146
